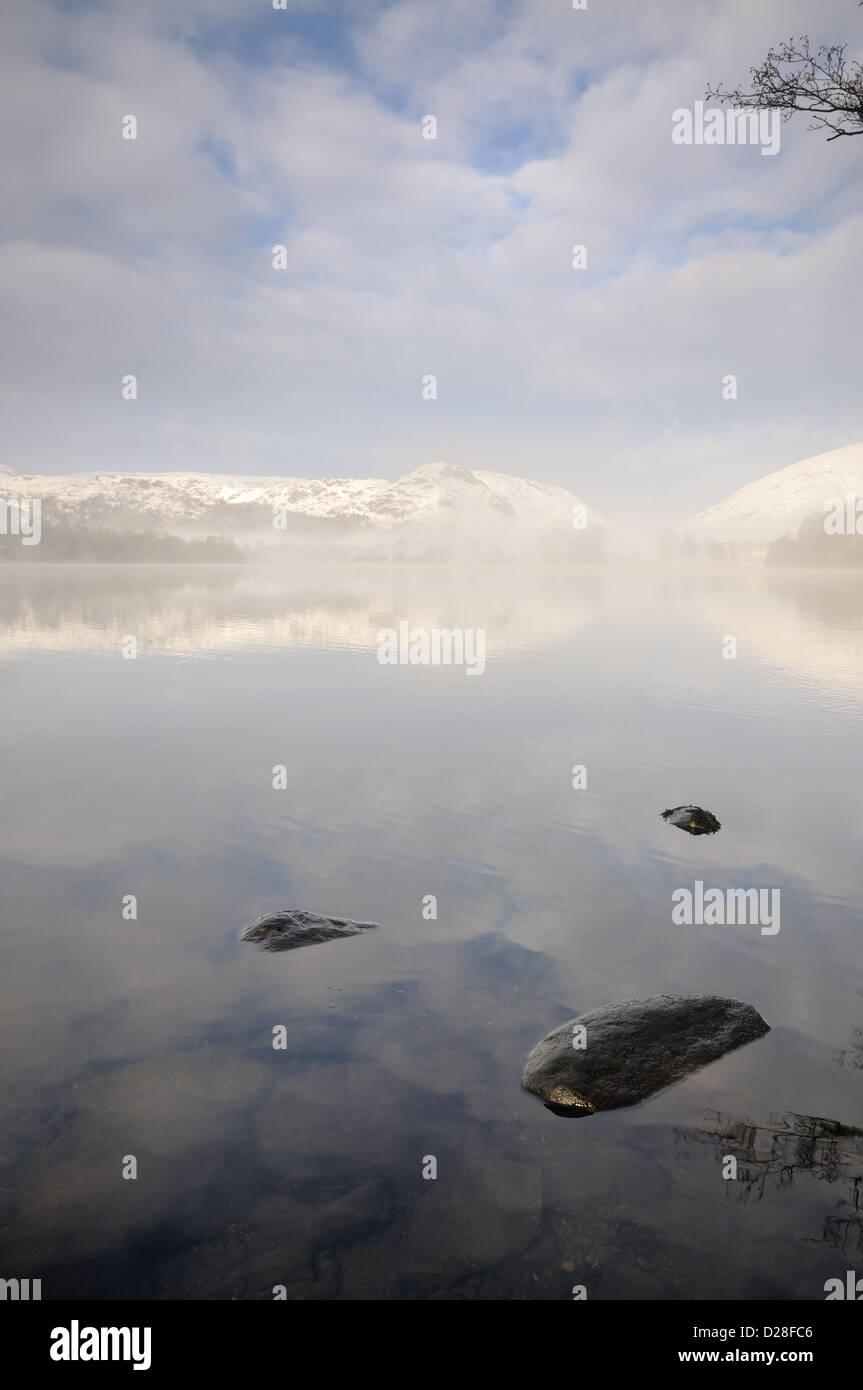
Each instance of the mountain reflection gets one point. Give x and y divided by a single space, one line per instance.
806 628
204 610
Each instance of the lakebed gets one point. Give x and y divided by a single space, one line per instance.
302 1167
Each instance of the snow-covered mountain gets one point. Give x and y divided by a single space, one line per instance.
438 502
775 505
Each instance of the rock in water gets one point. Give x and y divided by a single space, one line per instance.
294 927
693 820
627 1051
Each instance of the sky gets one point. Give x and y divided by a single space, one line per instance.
408 257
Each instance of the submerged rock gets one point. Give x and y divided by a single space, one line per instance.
293 927
490 1213
621 1054
693 820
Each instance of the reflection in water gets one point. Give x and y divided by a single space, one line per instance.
552 893
203 610
851 1056
770 1156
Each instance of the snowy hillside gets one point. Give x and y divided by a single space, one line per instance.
775 505
438 500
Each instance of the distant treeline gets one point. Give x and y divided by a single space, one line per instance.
66 544
813 548
586 547
83 544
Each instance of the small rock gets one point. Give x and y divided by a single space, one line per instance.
693 820
294 927
634 1049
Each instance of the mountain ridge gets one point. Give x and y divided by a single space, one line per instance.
436 504
776 504
424 492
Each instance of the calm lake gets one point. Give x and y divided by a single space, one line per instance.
146 1042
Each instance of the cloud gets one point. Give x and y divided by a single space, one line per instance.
408 256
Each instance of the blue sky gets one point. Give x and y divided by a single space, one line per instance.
408 257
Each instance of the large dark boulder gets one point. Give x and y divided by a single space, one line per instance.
635 1048
293 927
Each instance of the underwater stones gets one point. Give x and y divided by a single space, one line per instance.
490 1211
622 1053
693 820
291 928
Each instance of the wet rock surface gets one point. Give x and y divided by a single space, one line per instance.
630 1050
291 928
693 820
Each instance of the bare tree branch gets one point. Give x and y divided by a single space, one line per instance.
822 83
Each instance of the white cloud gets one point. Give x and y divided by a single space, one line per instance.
409 256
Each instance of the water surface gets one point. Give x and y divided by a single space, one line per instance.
303 1167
